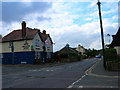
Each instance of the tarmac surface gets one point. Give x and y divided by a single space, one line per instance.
97 77
87 73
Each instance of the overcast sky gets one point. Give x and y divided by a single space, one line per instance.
66 21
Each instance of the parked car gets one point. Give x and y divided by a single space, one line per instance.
98 56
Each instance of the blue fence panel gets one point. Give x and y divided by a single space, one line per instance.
7 58
28 57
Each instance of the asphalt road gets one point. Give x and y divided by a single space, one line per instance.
60 76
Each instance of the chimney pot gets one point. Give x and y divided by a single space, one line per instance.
44 32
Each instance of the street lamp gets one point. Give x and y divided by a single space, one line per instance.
102 35
109 37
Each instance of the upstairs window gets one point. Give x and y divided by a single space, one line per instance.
37 43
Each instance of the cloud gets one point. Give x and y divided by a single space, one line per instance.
60 22
96 44
15 11
88 19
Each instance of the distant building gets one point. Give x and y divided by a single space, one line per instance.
116 42
81 50
67 49
26 45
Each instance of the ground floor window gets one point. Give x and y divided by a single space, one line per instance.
37 55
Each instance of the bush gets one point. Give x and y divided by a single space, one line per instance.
73 55
111 55
64 55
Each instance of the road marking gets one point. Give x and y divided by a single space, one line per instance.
40 70
80 87
89 72
70 86
76 82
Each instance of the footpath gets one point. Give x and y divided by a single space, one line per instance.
97 77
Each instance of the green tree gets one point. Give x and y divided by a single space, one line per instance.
0 36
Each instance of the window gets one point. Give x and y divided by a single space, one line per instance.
10 44
37 55
48 48
37 43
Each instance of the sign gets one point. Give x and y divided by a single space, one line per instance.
26 46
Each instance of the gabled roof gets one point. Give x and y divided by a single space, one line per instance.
64 50
17 35
45 36
116 39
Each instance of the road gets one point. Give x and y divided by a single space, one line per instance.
60 76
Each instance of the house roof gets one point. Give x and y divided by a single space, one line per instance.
116 39
64 50
17 35
45 36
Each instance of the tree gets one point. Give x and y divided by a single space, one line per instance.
0 36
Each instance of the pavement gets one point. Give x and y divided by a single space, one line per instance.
97 77
99 71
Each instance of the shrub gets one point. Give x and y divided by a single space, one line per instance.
64 55
111 55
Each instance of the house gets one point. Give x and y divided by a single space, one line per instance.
116 42
67 49
26 45
81 50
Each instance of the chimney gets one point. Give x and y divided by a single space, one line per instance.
44 32
113 36
38 31
23 29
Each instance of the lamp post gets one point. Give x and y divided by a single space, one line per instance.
102 35
109 37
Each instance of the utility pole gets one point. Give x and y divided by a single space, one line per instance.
102 35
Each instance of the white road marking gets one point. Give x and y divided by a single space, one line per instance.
80 87
41 70
76 82
70 86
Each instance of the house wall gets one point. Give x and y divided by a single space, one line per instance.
49 48
80 49
27 55
117 49
20 55
40 47
5 47
49 45
18 46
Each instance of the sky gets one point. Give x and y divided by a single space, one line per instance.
72 22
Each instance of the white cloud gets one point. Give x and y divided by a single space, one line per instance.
8 28
59 1
88 19
61 24
96 44
114 17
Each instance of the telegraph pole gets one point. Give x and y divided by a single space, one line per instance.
102 35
